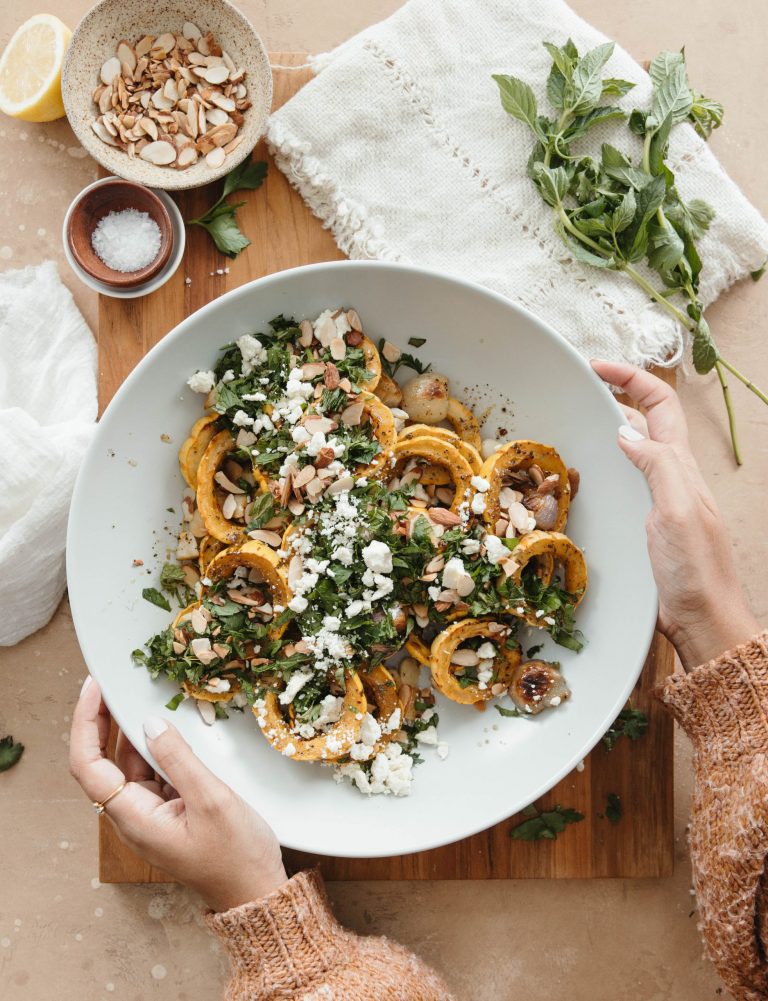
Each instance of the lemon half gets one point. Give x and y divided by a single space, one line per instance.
30 70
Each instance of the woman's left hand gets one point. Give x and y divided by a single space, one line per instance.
200 832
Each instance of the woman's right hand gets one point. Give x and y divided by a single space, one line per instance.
702 610
198 831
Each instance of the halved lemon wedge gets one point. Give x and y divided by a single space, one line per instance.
30 70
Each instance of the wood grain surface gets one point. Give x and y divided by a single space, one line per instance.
284 234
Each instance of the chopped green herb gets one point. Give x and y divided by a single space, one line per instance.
417 342
219 220
261 511
503 711
614 811
545 825
175 702
9 753
152 595
630 723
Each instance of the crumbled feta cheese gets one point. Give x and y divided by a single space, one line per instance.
242 420
377 557
480 484
300 435
428 736
478 504
370 731
442 750
343 555
295 684
252 351
470 546
298 604
202 382
456 578
495 550
486 651
289 750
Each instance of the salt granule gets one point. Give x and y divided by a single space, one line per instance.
127 240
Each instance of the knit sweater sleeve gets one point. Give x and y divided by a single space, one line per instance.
289 946
723 707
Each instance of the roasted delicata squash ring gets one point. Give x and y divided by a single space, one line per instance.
381 690
522 455
344 733
553 547
449 640
228 532
215 523
469 452
383 424
203 695
191 452
388 391
372 363
254 556
209 547
418 649
464 422
437 452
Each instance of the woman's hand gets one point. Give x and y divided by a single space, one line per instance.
702 610
202 835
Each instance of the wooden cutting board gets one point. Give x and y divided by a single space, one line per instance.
284 234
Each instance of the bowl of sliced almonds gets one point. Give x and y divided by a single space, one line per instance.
169 94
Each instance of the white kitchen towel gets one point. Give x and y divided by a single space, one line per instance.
47 417
400 145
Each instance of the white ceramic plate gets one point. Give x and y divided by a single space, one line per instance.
496 355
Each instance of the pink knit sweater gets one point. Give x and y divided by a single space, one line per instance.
289 945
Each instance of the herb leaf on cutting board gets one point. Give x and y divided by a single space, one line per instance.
544 826
612 213
219 220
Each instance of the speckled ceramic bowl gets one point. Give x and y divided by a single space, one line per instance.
95 40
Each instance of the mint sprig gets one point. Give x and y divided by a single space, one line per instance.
612 213
220 220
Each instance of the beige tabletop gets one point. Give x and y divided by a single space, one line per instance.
64 936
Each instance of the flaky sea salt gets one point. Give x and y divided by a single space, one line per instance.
127 240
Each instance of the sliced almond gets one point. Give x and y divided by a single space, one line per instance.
187 156
171 91
307 333
215 158
109 70
207 711
304 475
390 352
101 131
338 345
441 516
216 74
220 135
163 45
144 45
225 103
352 415
465 657
191 31
105 100
147 125
353 320
160 153
217 117
236 76
269 538
127 55
232 146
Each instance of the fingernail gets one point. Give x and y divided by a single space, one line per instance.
154 726
629 433
86 683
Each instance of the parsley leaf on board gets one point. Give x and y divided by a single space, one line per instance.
614 811
503 711
631 723
618 215
219 220
9 753
545 825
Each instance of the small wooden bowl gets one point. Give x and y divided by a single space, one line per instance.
115 196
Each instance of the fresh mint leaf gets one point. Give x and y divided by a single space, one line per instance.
672 97
518 100
613 87
624 212
261 511
704 350
171 576
583 123
552 183
9 753
588 78
546 825
706 115
154 597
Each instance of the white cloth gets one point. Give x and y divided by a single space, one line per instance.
47 417
400 145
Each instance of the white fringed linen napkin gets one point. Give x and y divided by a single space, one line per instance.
48 410
401 147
